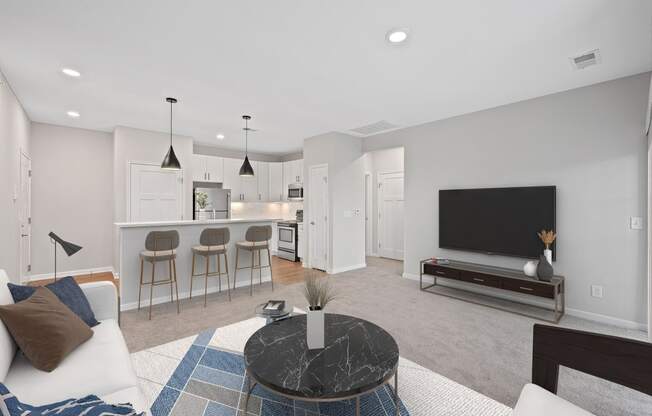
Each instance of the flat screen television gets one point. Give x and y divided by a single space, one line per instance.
497 220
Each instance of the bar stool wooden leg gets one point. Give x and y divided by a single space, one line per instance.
235 271
206 279
140 287
176 287
271 274
192 274
260 268
170 278
151 291
219 272
251 283
226 266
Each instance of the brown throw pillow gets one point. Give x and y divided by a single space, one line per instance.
45 329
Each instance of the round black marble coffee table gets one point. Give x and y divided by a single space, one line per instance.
358 358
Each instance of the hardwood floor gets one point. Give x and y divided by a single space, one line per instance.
285 272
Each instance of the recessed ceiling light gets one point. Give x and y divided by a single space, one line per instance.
220 136
73 114
397 36
71 72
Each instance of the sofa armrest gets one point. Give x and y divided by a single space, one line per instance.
536 401
103 298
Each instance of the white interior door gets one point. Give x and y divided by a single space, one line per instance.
368 207
390 215
318 212
25 212
155 194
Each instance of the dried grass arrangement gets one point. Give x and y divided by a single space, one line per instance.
547 237
318 292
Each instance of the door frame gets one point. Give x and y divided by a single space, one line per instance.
379 175
182 202
369 213
311 218
23 274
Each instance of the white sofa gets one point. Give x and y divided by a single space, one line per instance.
536 401
100 366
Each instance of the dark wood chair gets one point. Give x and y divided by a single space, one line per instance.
623 361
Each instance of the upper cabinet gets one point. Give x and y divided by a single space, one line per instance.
207 168
269 183
276 190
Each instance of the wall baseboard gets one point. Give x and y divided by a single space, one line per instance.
589 316
63 273
347 268
185 295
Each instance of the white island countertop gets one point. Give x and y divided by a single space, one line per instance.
193 222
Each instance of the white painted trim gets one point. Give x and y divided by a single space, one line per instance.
347 268
590 316
369 212
45 276
185 295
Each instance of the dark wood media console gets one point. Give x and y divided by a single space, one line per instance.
497 278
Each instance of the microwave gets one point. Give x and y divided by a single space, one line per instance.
295 192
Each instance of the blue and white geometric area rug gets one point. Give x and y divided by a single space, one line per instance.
203 375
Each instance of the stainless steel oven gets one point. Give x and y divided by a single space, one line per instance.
287 240
295 192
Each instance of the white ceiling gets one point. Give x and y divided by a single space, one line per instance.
304 67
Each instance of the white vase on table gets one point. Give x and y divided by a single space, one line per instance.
548 255
315 329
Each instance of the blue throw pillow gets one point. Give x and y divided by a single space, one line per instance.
68 292
87 406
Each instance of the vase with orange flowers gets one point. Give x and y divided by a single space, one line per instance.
547 238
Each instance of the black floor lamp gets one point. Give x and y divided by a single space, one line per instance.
68 247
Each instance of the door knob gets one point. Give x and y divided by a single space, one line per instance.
24 235
312 223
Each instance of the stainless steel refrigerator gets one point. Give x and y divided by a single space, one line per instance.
211 202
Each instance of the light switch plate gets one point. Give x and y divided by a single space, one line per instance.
597 291
636 223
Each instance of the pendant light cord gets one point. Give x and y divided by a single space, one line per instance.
171 123
246 137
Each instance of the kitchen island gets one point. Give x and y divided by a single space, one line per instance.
131 241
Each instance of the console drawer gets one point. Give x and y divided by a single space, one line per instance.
480 279
531 288
440 271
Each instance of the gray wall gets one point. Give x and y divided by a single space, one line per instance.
72 177
588 142
14 138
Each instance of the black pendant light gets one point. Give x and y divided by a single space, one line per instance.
246 169
171 161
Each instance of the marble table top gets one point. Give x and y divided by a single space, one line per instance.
359 356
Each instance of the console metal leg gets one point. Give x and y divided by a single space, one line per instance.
250 388
396 400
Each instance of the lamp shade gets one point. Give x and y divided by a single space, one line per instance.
171 161
67 246
246 169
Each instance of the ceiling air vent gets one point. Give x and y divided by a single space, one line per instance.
374 128
586 59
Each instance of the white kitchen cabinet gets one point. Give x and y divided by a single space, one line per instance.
276 181
198 165
249 184
262 174
292 173
301 242
215 168
298 170
232 178
207 168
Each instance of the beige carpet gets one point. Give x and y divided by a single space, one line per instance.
484 349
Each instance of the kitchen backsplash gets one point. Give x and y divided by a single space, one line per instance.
252 210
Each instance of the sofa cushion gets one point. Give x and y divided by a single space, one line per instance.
68 292
536 401
7 344
44 328
100 366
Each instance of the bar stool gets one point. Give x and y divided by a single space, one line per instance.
257 239
212 241
160 246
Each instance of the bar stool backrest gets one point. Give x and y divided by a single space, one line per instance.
258 233
215 236
162 240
